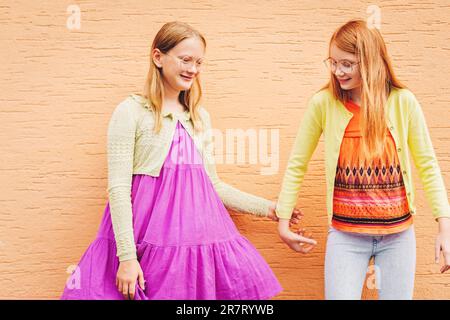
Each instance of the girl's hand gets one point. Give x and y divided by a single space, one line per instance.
296 216
297 241
129 271
443 243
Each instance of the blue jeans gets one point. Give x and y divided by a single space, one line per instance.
347 260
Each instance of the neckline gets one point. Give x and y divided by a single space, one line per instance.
352 107
175 112
186 114
353 103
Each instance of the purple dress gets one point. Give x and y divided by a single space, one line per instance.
187 244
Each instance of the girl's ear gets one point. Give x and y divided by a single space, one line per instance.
156 56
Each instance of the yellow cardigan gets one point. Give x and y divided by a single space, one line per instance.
133 148
328 115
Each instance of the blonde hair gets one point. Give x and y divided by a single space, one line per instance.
377 80
171 34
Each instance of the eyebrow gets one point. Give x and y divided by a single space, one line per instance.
186 55
343 60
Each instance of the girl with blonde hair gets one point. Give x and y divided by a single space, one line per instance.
166 232
371 124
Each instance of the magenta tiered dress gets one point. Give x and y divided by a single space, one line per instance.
187 244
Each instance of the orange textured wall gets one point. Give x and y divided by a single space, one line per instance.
59 86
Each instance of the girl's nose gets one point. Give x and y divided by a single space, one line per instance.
192 69
338 72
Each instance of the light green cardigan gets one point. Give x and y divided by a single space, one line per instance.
133 148
327 115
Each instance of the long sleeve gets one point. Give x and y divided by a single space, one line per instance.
305 143
120 154
231 197
424 158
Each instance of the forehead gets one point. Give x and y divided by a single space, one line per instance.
338 54
192 46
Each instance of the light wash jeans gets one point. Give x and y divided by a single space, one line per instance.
347 262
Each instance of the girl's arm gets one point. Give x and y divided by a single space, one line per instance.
120 153
234 199
305 143
424 158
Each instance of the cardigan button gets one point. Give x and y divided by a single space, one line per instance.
404 172
399 149
391 128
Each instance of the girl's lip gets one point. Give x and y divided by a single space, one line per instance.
343 80
186 77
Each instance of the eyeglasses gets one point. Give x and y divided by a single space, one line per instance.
187 62
344 65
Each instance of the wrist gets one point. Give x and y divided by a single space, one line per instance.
128 256
270 208
283 225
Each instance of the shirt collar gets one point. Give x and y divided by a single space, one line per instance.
185 115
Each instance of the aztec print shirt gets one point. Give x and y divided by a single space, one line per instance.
369 194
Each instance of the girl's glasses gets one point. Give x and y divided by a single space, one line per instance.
344 65
187 62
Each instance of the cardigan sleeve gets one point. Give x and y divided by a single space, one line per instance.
234 199
120 154
305 143
425 160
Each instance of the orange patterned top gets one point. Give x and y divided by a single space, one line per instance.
369 194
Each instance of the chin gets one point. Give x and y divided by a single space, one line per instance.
184 86
348 87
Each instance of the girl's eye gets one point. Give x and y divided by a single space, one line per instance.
346 64
187 59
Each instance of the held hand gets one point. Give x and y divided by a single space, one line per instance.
297 214
129 271
443 243
297 241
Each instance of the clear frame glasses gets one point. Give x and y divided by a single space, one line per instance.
187 62
345 66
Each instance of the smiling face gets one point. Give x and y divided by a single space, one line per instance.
348 80
180 65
